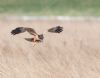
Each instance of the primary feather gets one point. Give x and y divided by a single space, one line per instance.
57 29
19 30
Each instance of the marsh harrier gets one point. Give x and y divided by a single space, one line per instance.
31 31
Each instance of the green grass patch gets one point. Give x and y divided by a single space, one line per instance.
50 7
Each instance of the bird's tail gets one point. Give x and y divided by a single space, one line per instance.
29 39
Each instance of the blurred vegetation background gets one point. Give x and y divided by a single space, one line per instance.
50 7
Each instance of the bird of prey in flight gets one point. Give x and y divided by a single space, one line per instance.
36 37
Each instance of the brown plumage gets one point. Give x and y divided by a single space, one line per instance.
57 29
31 31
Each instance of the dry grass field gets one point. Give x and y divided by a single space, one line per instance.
75 53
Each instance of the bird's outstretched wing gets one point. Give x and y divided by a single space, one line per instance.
57 29
19 30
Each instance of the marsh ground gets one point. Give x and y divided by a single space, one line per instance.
75 53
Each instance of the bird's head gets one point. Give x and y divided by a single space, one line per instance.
41 37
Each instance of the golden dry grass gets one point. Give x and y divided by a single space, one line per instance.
75 53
